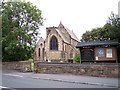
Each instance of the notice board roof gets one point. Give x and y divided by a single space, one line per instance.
97 43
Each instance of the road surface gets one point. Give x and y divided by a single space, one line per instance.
13 79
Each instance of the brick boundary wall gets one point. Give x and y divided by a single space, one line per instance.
23 66
99 70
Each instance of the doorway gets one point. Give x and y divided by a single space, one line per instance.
87 54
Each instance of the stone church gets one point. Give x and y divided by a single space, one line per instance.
59 45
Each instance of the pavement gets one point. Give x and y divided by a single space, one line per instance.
101 81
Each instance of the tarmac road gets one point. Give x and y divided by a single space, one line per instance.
13 79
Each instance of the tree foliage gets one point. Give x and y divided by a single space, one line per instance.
110 31
20 27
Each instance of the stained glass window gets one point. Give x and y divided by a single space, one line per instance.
53 43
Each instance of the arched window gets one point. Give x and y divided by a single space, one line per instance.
39 52
53 43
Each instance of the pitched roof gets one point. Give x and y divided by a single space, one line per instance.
41 40
69 32
72 34
62 36
97 43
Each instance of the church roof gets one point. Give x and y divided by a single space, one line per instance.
69 32
72 34
62 36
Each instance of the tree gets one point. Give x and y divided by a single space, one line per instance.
110 31
20 27
93 35
114 21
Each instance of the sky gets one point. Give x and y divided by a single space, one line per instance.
77 15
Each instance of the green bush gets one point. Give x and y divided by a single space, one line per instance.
77 58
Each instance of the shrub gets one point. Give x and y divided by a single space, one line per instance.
77 58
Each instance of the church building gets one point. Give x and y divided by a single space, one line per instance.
59 45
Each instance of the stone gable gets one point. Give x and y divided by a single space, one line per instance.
62 48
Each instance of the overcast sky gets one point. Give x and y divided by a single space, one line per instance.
77 15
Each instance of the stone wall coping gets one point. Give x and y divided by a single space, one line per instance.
15 61
52 63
